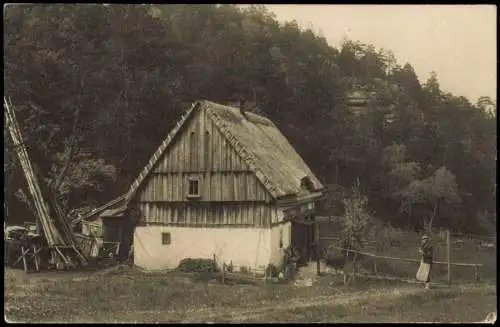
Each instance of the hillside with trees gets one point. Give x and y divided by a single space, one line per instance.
96 89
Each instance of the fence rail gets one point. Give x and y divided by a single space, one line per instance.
409 260
401 247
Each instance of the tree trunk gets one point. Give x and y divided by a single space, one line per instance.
72 144
436 204
409 216
67 162
445 155
24 198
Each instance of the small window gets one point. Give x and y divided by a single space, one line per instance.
307 184
165 238
194 186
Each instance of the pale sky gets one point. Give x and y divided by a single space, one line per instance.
458 42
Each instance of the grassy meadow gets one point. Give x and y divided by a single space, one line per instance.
125 294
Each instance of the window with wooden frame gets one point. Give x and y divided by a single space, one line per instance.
165 238
193 188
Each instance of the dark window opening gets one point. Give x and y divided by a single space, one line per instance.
206 150
194 188
193 151
307 183
165 238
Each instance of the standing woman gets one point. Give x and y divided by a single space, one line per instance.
424 271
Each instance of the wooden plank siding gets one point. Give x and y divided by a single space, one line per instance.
230 193
200 147
210 214
222 186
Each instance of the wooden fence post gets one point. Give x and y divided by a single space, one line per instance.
476 273
355 266
25 263
448 254
316 241
35 256
344 270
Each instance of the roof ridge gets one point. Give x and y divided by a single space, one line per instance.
247 156
243 148
247 112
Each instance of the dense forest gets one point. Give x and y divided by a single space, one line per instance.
96 88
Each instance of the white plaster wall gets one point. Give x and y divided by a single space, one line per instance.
249 247
283 231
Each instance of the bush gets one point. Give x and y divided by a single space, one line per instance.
197 265
229 267
272 271
335 260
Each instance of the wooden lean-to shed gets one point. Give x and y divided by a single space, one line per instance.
224 183
105 228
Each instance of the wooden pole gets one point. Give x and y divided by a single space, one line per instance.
448 254
477 272
35 257
316 242
355 267
25 263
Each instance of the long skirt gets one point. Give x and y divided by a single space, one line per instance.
424 272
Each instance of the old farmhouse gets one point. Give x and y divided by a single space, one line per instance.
224 183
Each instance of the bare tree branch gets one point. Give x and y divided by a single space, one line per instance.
72 144
21 195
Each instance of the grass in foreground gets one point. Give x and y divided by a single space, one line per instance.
433 306
129 295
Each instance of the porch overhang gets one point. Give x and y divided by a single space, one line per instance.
299 217
114 213
298 199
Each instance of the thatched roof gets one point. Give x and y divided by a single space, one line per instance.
259 143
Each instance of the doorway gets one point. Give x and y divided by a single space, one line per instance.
302 237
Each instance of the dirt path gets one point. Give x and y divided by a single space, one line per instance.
241 315
270 309
247 314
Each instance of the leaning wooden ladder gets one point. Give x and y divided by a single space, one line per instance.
55 229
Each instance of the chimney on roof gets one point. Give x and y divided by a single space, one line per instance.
242 107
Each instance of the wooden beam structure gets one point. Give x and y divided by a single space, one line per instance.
56 229
299 216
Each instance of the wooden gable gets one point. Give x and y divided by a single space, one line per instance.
200 152
200 147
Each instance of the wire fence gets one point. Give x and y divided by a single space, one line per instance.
394 253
